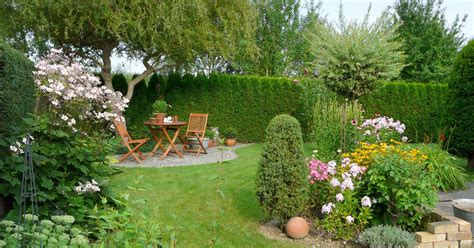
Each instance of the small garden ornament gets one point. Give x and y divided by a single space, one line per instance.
297 228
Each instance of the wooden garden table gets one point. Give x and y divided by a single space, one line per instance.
163 128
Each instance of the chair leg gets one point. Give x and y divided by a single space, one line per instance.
136 158
201 146
131 151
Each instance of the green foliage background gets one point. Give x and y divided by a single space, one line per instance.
17 90
421 107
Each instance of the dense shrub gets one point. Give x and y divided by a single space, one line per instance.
383 236
64 161
17 90
281 176
404 189
334 127
156 87
57 232
420 106
461 87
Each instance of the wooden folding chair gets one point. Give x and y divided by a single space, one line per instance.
131 144
196 129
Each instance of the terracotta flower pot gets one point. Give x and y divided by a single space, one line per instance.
297 228
160 117
230 142
211 143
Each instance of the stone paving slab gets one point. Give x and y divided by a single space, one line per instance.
445 198
172 160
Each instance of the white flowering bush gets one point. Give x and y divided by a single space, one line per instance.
88 187
336 186
381 129
71 141
73 96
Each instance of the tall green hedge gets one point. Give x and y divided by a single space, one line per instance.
248 103
245 103
421 107
461 107
17 90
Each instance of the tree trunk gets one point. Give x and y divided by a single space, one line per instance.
135 81
107 65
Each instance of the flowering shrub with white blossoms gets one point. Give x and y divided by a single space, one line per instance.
336 185
88 187
74 95
18 147
381 129
71 140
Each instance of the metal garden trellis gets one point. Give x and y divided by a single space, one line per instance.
29 199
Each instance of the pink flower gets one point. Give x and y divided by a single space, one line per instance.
318 170
339 197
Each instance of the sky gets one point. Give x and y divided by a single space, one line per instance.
353 10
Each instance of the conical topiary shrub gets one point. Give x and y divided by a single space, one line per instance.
281 176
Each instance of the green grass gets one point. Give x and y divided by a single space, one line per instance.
188 198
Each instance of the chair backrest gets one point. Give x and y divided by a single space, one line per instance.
197 124
122 130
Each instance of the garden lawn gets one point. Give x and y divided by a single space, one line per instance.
189 198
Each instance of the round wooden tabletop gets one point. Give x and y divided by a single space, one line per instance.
175 123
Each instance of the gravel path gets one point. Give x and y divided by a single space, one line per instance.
446 197
213 155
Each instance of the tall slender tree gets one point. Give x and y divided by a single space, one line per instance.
160 33
428 41
276 35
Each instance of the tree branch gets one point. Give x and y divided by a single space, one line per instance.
149 70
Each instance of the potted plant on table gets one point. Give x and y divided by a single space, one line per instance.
230 134
159 109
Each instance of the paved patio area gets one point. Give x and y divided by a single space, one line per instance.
214 155
446 197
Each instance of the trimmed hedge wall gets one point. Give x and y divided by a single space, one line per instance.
246 103
421 107
17 89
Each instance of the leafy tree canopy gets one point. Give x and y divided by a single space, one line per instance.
428 41
352 57
160 33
